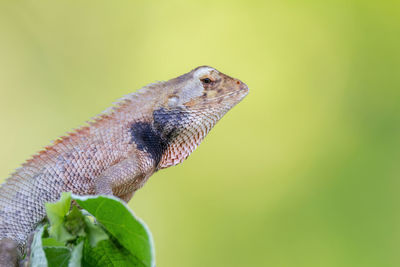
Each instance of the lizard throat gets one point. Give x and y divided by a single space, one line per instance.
172 136
188 139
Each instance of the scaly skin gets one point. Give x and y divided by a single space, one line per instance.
154 128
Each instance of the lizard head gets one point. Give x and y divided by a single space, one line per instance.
193 104
205 88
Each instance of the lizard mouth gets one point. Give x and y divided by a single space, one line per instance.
244 90
235 96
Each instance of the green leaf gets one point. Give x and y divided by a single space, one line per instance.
75 222
117 238
108 253
94 232
76 255
57 256
51 242
117 218
38 257
56 213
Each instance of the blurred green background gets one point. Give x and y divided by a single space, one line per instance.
304 172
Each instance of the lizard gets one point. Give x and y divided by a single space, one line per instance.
117 151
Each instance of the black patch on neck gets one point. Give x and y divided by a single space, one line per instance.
148 140
154 137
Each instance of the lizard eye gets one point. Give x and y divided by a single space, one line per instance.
206 80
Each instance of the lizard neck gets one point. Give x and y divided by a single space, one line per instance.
172 134
190 131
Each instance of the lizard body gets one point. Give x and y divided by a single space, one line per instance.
154 128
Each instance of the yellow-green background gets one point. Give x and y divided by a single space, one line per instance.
304 172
